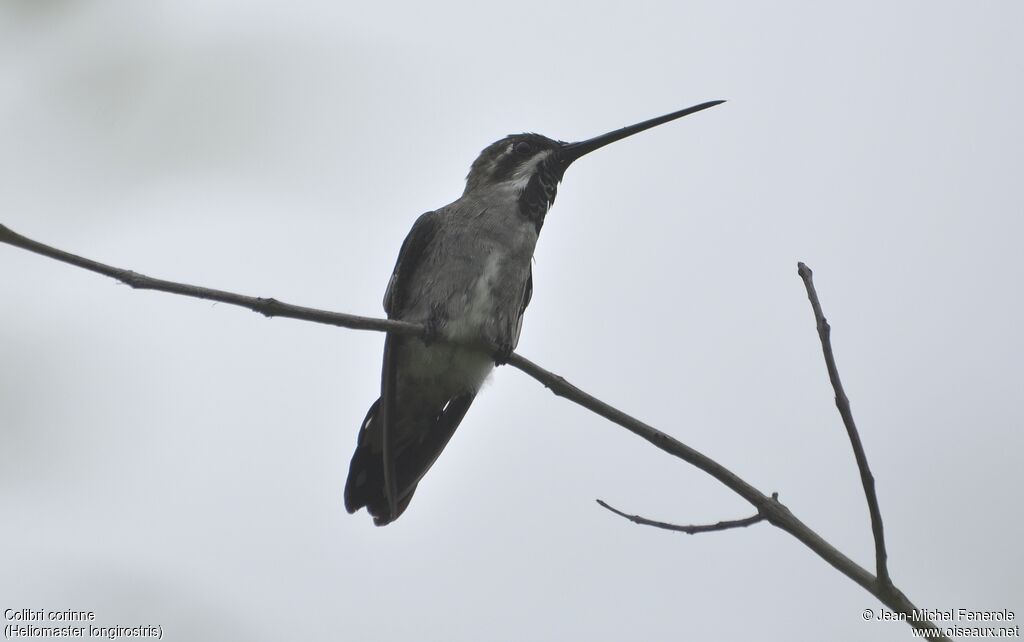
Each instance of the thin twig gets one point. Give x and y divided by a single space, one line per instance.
774 512
843 404
688 529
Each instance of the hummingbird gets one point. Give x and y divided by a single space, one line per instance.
464 273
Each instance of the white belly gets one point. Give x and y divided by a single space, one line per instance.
451 368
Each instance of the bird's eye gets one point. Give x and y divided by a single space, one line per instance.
523 148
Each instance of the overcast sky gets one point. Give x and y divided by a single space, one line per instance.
173 462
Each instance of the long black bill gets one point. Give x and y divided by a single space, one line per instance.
572 151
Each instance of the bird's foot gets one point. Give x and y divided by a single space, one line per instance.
432 330
502 352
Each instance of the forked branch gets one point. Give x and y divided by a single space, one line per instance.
768 508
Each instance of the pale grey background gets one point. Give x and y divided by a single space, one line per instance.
177 462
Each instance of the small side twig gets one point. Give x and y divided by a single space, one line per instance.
843 404
691 529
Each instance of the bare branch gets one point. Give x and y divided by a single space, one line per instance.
266 307
772 510
843 404
690 530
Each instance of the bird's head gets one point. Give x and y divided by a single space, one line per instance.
531 165
514 160
527 167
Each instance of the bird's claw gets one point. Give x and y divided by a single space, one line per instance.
431 330
502 353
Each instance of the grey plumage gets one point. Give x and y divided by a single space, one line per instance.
464 273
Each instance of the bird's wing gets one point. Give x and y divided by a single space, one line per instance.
527 295
413 248
415 461
527 292
397 293
387 412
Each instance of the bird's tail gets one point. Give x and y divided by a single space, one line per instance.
365 486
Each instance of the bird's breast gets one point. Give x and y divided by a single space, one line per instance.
481 302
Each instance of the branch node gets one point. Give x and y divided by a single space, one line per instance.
267 306
132 279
